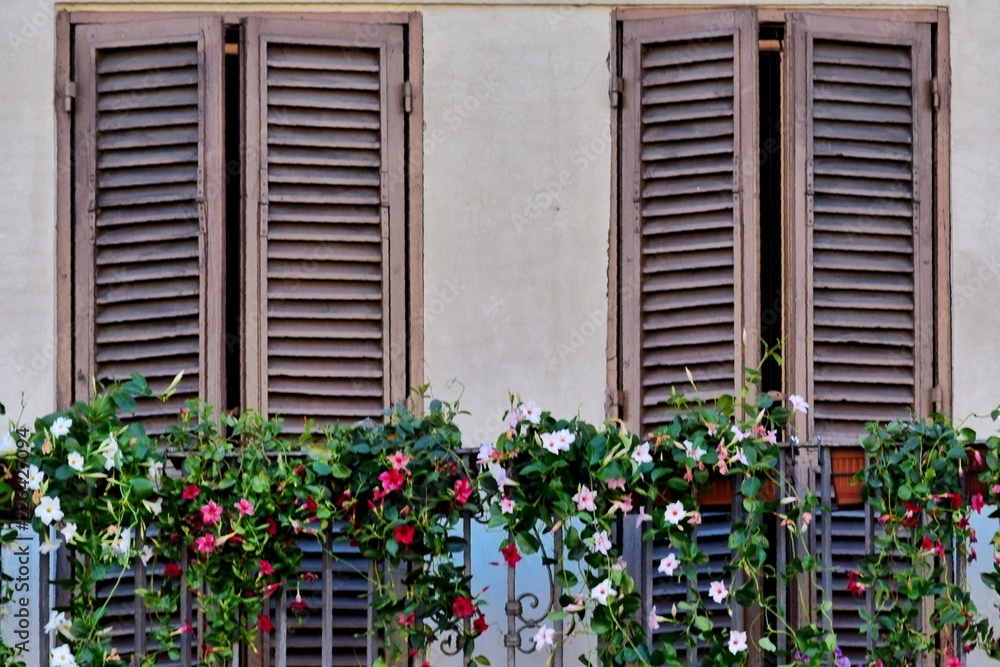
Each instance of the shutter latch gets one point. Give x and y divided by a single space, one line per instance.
69 94
407 97
615 92
935 94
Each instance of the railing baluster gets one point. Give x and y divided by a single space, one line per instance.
326 641
557 548
372 648
512 639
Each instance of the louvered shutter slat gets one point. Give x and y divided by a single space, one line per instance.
867 134
683 137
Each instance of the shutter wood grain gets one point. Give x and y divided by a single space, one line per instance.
863 163
688 201
148 217
326 257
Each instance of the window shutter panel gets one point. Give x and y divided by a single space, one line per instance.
861 315
327 263
148 216
689 190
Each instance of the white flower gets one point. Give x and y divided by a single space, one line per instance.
642 517
530 411
59 622
584 499
654 620
798 404
123 541
543 637
602 591
669 564
48 546
154 506
737 641
740 456
602 542
507 505
48 510
35 478
146 554
500 475
69 532
641 453
576 605
8 446
62 657
558 441
154 474
693 452
486 450
75 461
110 452
717 591
674 512
739 435
60 426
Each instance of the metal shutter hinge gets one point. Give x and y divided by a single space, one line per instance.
615 92
935 94
407 97
69 94
936 398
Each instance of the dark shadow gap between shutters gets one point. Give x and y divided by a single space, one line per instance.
326 249
863 326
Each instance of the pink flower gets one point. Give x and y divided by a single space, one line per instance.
392 480
616 483
695 518
584 499
625 504
977 503
507 505
245 507
399 461
266 569
211 513
642 516
407 620
515 418
205 544
798 404
996 489
298 604
186 628
463 490
953 662
190 492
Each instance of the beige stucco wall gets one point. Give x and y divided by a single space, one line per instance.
517 202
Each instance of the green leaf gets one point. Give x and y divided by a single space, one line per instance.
751 485
482 660
340 471
124 402
767 644
142 487
321 468
566 579
703 623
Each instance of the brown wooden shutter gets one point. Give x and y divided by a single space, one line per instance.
326 252
688 197
148 207
861 315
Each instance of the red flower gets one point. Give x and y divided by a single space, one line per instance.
404 534
272 526
392 480
190 492
912 517
977 503
954 662
266 569
270 589
407 620
854 585
172 571
479 626
511 555
462 607
956 500
186 628
309 576
299 605
462 491
264 624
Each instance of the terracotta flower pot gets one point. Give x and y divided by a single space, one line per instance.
844 463
717 493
